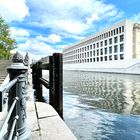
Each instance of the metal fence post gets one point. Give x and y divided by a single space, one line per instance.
33 75
57 87
18 69
37 84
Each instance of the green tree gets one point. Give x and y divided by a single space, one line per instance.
6 42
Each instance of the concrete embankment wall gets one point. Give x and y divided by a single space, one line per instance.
124 66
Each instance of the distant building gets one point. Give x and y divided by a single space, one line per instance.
115 47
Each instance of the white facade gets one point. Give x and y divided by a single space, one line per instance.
109 47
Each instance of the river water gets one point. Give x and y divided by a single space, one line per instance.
101 106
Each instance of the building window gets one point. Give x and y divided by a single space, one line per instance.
101 44
78 55
110 57
90 47
115 39
115 57
122 28
90 53
105 50
87 54
94 53
101 51
121 56
101 58
119 29
107 35
105 42
82 49
105 58
97 52
110 41
87 47
110 49
121 38
97 45
111 33
87 60
93 46
97 58
93 59
90 59
114 32
115 48
102 36
121 47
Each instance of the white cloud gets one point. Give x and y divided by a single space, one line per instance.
53 38
136 17
13 9
18 32
94 17
73 27
71 16
36 48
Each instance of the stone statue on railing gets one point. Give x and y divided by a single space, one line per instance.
26 60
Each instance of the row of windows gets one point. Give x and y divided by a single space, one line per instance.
99 59
111 33
96 45
102 51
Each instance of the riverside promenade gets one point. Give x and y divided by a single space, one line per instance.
21 116
44 122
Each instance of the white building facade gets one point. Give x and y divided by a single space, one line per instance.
115 49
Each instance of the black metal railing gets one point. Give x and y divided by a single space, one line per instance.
55 84
14 125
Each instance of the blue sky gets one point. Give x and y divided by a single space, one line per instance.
42 27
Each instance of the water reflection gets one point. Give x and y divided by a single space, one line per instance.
102 106
113 92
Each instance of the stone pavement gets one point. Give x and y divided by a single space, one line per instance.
44 122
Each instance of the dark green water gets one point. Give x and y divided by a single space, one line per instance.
100 106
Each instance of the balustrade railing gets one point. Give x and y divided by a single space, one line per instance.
55 84
14 126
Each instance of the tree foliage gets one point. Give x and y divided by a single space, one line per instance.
6 42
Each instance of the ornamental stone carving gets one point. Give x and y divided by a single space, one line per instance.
17 58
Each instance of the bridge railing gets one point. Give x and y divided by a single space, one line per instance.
14 125
55 84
